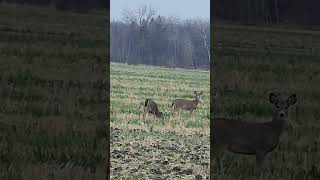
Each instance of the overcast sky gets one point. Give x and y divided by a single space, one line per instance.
184 9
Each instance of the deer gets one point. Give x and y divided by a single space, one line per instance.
188 105
250 138
150 106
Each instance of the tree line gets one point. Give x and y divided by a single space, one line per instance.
82 6
303 12
144 37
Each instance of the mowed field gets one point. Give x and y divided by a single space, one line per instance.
178 149
53 100
250 62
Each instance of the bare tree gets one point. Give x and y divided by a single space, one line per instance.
144 37
140 17
204 29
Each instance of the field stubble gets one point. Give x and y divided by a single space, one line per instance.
51 126
177 149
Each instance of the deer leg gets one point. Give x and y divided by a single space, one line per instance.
260 156
217 167
162 119
144 115
217 154
147 121
172 112
218 164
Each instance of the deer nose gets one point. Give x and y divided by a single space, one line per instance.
282 114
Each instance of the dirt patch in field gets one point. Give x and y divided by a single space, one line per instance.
140 154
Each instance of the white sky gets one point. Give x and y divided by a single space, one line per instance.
184 9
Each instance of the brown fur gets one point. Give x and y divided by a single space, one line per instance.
151 106
251 138
188 105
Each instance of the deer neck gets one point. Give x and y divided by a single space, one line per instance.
196 100
278 125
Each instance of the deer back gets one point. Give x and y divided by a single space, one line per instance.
184 104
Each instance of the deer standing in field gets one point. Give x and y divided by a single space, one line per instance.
251 138
151 107
188 105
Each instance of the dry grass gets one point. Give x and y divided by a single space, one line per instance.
130 86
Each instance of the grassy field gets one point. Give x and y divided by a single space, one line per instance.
52 112
249 62
177 149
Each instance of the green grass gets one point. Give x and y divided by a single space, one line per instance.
130 86
49 64
249 62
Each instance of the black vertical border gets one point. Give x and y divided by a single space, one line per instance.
212 62
108 165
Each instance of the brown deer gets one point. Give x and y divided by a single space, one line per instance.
151 107
251 138
188 105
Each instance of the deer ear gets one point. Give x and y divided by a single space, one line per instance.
292 99
272 98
